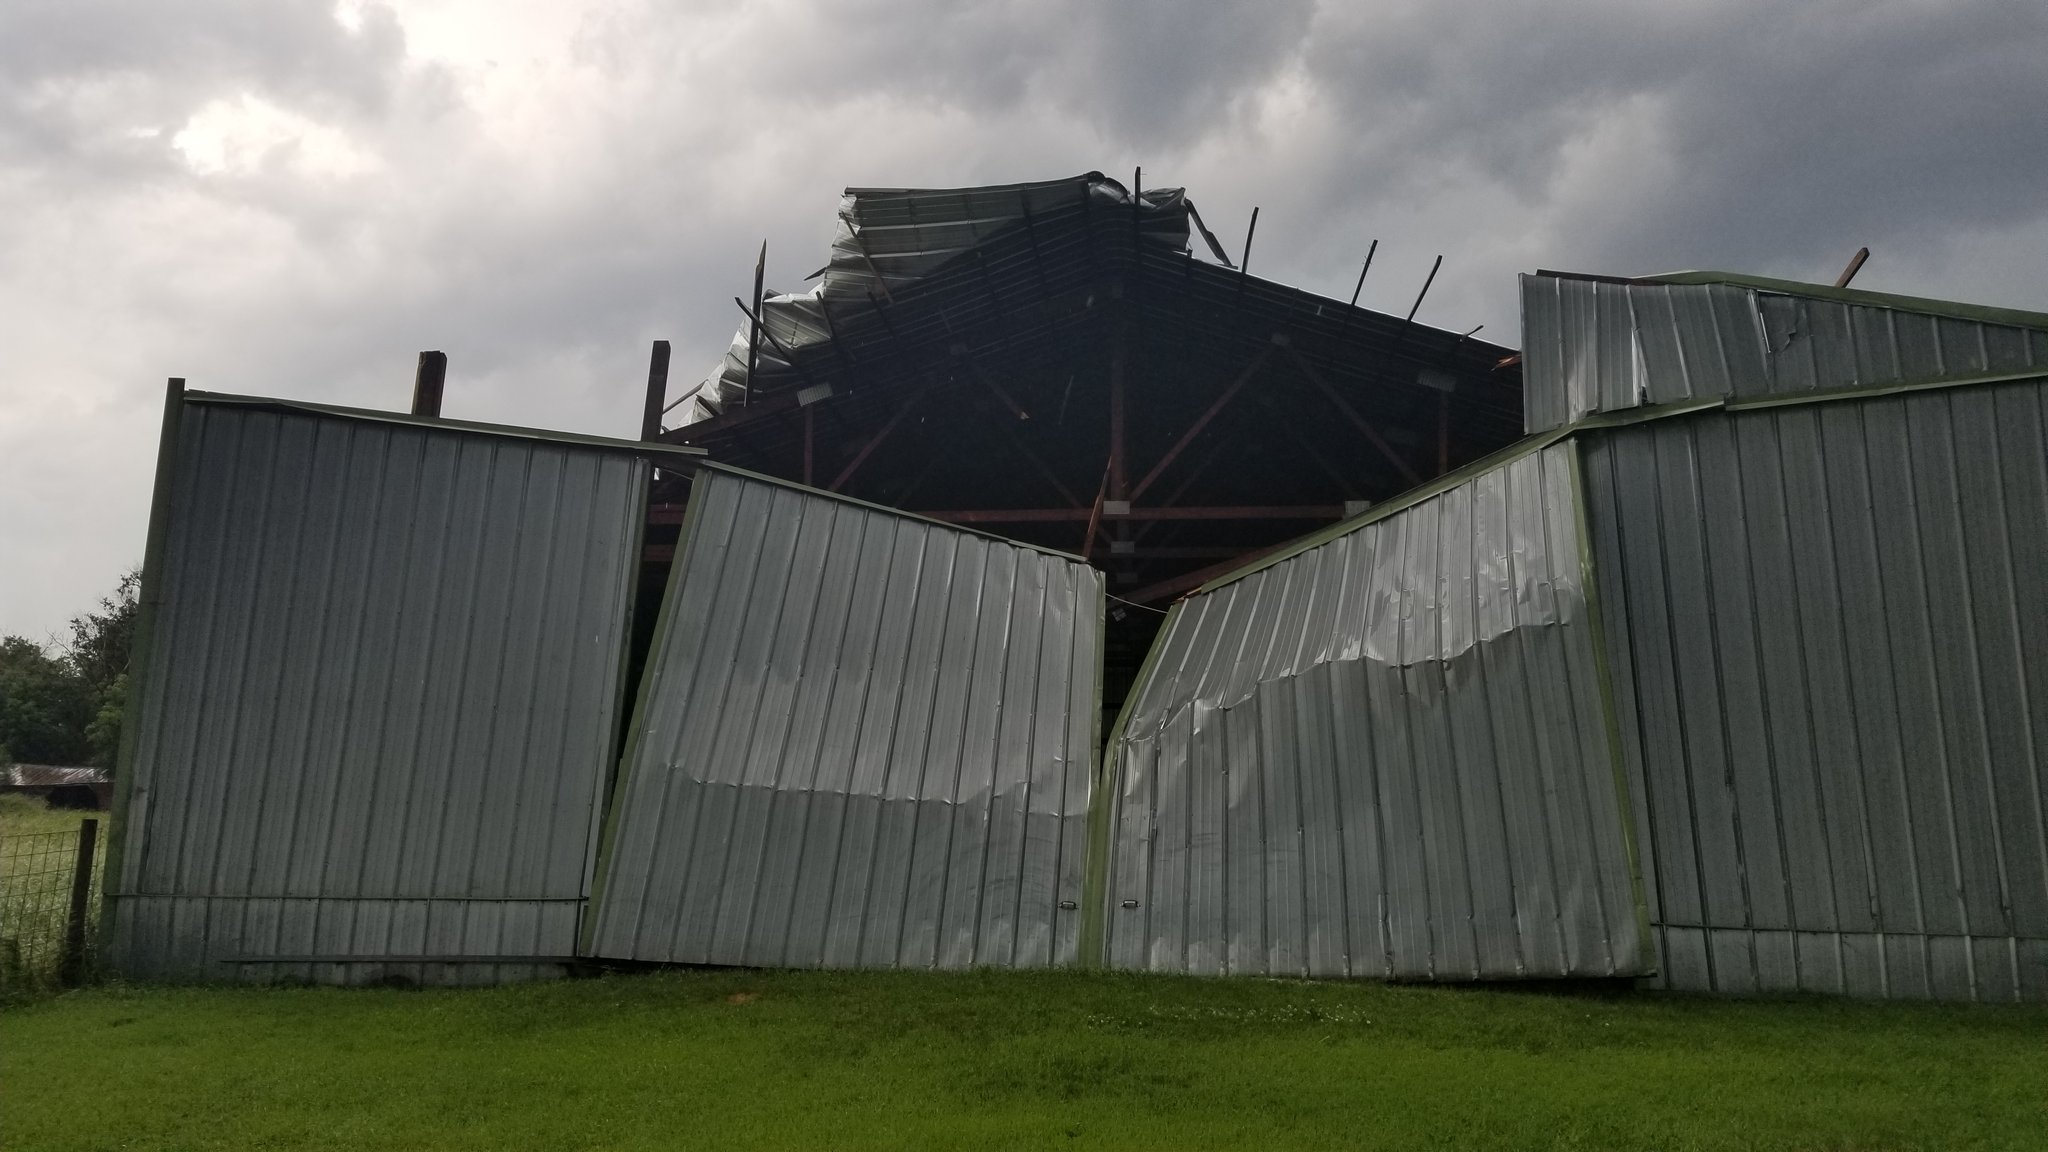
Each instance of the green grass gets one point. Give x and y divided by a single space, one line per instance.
25 815
1073 1060
38 847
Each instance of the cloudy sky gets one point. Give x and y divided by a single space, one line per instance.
295 198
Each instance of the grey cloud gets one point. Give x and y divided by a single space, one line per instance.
1786 129
624 200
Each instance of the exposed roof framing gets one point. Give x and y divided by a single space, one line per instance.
978 353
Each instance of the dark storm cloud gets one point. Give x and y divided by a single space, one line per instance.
1785 127
1150 73
541 204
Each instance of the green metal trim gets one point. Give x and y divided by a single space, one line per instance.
1102 806
1875 391
1620 418
675 455
141 649
1982 313
1389 507
868 504
1603 670
664 621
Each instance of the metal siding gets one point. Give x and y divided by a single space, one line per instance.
381 702
1595 346
1383 757
1827 613
865 743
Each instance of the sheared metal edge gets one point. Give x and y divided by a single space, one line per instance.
148 597
1597 629
682 455
1981 313
900 514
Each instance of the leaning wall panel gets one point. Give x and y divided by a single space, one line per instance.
385 672
864 740
1384 757
1834 610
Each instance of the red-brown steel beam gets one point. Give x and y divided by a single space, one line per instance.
1361 423
1200 423
1000 392
875 442
1174 586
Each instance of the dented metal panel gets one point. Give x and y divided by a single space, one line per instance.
864 740
1386 756
1830 648
1598 346
380 699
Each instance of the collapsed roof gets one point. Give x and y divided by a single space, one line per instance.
1001 355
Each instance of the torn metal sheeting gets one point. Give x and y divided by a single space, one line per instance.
890 238
1600 345
863 740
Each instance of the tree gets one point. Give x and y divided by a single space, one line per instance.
44 705
100 640
98 654
64 707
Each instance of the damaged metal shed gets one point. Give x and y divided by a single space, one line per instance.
1727 675
1771 564
378 709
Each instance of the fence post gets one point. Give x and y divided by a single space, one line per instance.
81 894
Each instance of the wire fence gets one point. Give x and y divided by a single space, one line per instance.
47 924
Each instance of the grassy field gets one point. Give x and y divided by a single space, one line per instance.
884 1060
37 857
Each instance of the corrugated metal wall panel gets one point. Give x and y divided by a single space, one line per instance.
865 741
1832 659
1593 346
1387 756
386 669
1816 345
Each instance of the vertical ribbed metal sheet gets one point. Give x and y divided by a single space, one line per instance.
863 740
1828 625
1594 346
1386 756
381 698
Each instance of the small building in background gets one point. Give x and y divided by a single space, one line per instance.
87 789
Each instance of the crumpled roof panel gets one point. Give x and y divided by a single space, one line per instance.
891 238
